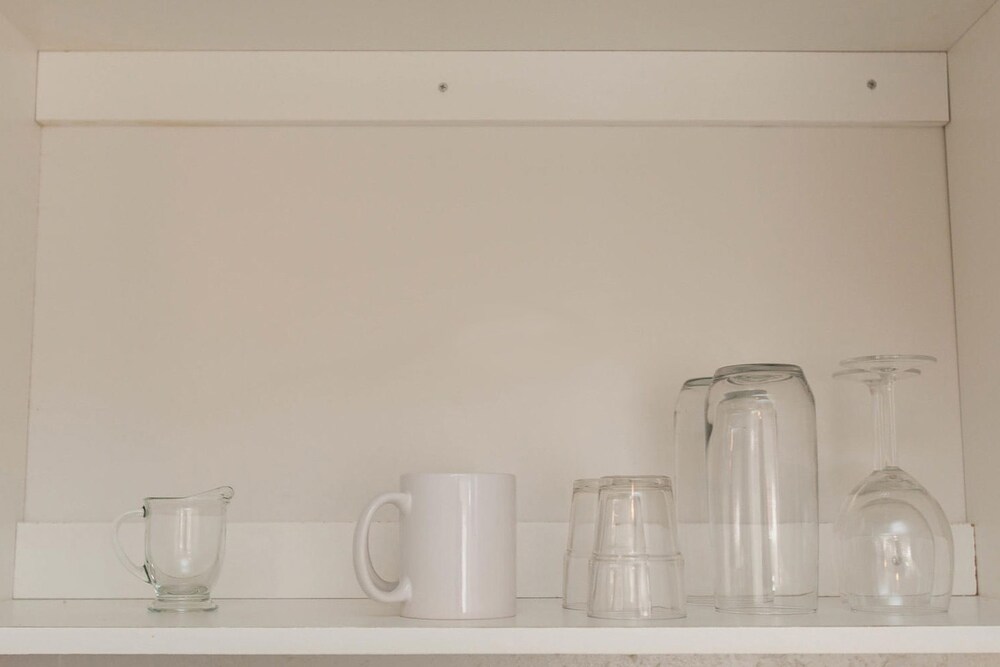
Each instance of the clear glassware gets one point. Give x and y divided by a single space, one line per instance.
691 483
185 541
636 570
579 544
894 543
763 498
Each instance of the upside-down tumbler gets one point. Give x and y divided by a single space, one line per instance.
762 482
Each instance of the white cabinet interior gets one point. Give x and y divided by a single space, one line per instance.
306 309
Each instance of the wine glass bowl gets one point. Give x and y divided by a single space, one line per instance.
895 544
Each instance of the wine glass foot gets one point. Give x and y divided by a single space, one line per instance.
877 367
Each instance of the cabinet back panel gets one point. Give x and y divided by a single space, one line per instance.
305 313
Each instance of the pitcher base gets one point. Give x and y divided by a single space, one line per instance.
183 603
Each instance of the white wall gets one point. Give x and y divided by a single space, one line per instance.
306 313
974 180
19 151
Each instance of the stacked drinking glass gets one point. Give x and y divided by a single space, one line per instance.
580 546
636 571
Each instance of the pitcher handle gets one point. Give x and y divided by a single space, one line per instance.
139 571
371 583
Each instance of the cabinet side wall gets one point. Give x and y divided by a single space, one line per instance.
19 156
973 139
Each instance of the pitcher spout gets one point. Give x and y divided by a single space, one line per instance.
224 493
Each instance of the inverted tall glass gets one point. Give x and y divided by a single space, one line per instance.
762 481
691 484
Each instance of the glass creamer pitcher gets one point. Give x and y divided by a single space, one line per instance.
185 541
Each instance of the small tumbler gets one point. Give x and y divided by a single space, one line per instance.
636 570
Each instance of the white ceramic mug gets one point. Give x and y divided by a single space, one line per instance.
457 546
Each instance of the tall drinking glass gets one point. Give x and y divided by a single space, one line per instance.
691 485
762 481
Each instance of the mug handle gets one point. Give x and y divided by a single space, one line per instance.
372 584
138 570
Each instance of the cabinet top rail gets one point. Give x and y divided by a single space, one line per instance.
505 88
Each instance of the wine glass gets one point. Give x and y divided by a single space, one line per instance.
895 546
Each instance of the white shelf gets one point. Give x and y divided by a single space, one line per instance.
287 627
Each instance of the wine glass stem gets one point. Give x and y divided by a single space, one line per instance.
884 412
